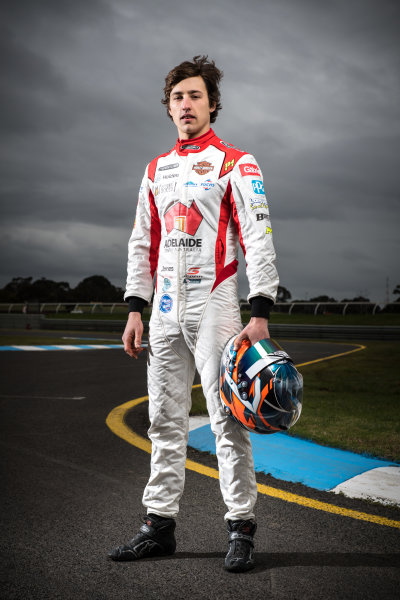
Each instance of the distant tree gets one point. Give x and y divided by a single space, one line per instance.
17 290
283 294
47 290
397 292
96 289
322 299
356 299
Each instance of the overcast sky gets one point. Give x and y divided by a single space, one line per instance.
311 88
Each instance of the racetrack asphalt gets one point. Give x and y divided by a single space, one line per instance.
72 490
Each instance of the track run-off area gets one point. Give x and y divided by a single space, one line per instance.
116 421
72 490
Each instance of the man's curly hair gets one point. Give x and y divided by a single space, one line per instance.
202 67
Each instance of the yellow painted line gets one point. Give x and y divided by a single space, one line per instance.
116 422
316 360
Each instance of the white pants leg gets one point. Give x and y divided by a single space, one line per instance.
171 369
171 372
238 485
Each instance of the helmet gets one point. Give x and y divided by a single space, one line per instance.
260 388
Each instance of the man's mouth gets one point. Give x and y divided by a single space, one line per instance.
187 117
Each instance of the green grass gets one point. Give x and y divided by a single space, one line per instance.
350 402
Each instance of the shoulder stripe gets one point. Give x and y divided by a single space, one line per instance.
153 165
232 155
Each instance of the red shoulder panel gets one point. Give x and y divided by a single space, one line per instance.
152 168
153 165
232 155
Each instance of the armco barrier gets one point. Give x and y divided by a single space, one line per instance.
21 321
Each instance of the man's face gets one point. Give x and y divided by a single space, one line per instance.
190 108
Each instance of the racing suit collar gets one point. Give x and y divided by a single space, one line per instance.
184 147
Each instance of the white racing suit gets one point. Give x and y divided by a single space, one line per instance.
195 204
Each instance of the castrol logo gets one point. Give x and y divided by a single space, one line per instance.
249 169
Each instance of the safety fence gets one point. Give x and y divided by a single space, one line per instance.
115 308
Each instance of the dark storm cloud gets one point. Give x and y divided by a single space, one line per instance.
310 88
30 90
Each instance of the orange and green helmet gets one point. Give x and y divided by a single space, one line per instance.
260 388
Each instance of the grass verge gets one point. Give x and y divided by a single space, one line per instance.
350 402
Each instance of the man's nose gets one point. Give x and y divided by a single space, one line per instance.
186 103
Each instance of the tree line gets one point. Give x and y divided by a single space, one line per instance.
98 288
91 289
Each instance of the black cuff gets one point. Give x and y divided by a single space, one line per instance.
136 304
260 306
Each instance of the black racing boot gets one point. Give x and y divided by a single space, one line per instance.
155 538
240 555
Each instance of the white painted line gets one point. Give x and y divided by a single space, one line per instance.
69 337
29 348
198 421
381 484
65 347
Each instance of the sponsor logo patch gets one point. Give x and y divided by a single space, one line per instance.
261 216
207 185
229 165
183 218
268 231
203 167
166 303
165 188
190 147
249 169
183 243
167 167
226 145
256 203
192 276
167 269
190 184
258 187
167 284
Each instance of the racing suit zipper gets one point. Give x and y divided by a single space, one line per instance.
182 267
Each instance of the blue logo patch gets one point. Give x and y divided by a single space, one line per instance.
167 284
258 186
189 184
165 303
208 184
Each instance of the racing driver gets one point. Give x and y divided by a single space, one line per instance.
197 202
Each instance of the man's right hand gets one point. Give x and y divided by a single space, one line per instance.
132 337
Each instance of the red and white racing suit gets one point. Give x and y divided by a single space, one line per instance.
196 203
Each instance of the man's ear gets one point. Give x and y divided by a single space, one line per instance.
213 106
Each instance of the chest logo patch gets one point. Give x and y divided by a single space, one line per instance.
183 218
203 167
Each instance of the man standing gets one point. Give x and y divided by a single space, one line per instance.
196 203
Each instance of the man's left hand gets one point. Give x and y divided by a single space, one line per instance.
255 330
